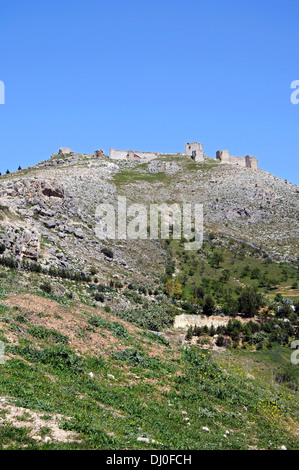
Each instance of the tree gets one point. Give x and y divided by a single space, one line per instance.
255 273
225 275
231 306
212 330
278 298
220 340
250 301
169 287
93 270
20 168
216 259
284 311
189 334
7 172
177 289
245 271
198 293
208 305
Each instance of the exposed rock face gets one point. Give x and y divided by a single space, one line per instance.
49 211
168 167
21 241
33 188
23 198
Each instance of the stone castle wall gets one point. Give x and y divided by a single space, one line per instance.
193 150
131 155
246 162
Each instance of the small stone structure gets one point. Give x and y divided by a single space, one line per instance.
99 153
132 155
64 151
195 151
247 162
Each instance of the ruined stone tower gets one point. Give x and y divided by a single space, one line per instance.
195 151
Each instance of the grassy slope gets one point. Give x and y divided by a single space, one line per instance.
160 392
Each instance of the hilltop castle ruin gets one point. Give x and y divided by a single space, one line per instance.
193 150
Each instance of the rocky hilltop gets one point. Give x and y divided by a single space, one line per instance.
48 210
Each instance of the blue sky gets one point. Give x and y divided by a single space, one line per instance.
150 75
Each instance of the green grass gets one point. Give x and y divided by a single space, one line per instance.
220 398
130 176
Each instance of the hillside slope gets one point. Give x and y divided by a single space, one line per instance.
98 353
78 378
48 211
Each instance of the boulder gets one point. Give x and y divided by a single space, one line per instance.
50 223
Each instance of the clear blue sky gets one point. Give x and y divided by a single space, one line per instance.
150 75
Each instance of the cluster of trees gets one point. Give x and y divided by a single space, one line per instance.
8 172
252 333
11 262
263 279
248 302
199 288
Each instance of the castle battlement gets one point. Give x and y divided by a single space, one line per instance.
193 150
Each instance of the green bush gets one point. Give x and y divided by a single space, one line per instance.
150 317
132 356
46 287
42 332
99 297
116 328
107 252
60 357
